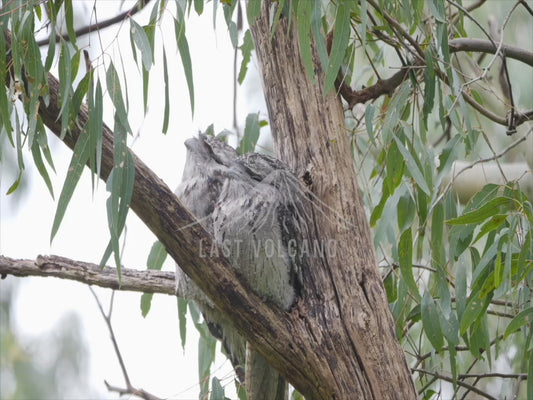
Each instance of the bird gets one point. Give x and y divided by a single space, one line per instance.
255 209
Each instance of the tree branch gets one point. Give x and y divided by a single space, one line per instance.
485 46
99 25
147 281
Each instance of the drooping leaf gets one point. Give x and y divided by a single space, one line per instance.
183 47
37 158
146 302
406 211
522 318
251 134
363 23
95 126
475 308
140 38
65 79
405 254
253 10
246 50
413 167
157 256
341 37
80 155
166 112
206 357
431 321
491 208
182 316
429 86
303 15
69 17
115 92
199 6
5 120
217 391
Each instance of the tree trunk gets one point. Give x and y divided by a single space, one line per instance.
344 311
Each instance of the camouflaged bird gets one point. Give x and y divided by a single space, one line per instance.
254 207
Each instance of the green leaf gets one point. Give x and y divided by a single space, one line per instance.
95 126
406 211
51 50
69 17
246 50
157 256
120 184
480 338
206 357
378 210
363 23
80 156
146 302
303 17
491 208
394 166
438 10
251 134
437 236
166 113
391 287
79 95
491 225
5 106
65 79
429 86
37 158
253 10
405 254
530 374
395 110
460 288
15 184
199 6
523 318
413 168
475 308
369 117
115 92
183 47
431 321
182 317
143 44
318 32
217 391
341 37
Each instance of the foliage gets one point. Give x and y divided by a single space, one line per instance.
458 277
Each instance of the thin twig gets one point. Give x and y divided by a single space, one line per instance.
129 389
99 25
459 383
107 319
483 160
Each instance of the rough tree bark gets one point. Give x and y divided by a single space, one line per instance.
338 341
344 292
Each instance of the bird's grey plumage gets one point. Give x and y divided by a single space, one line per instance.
253 206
